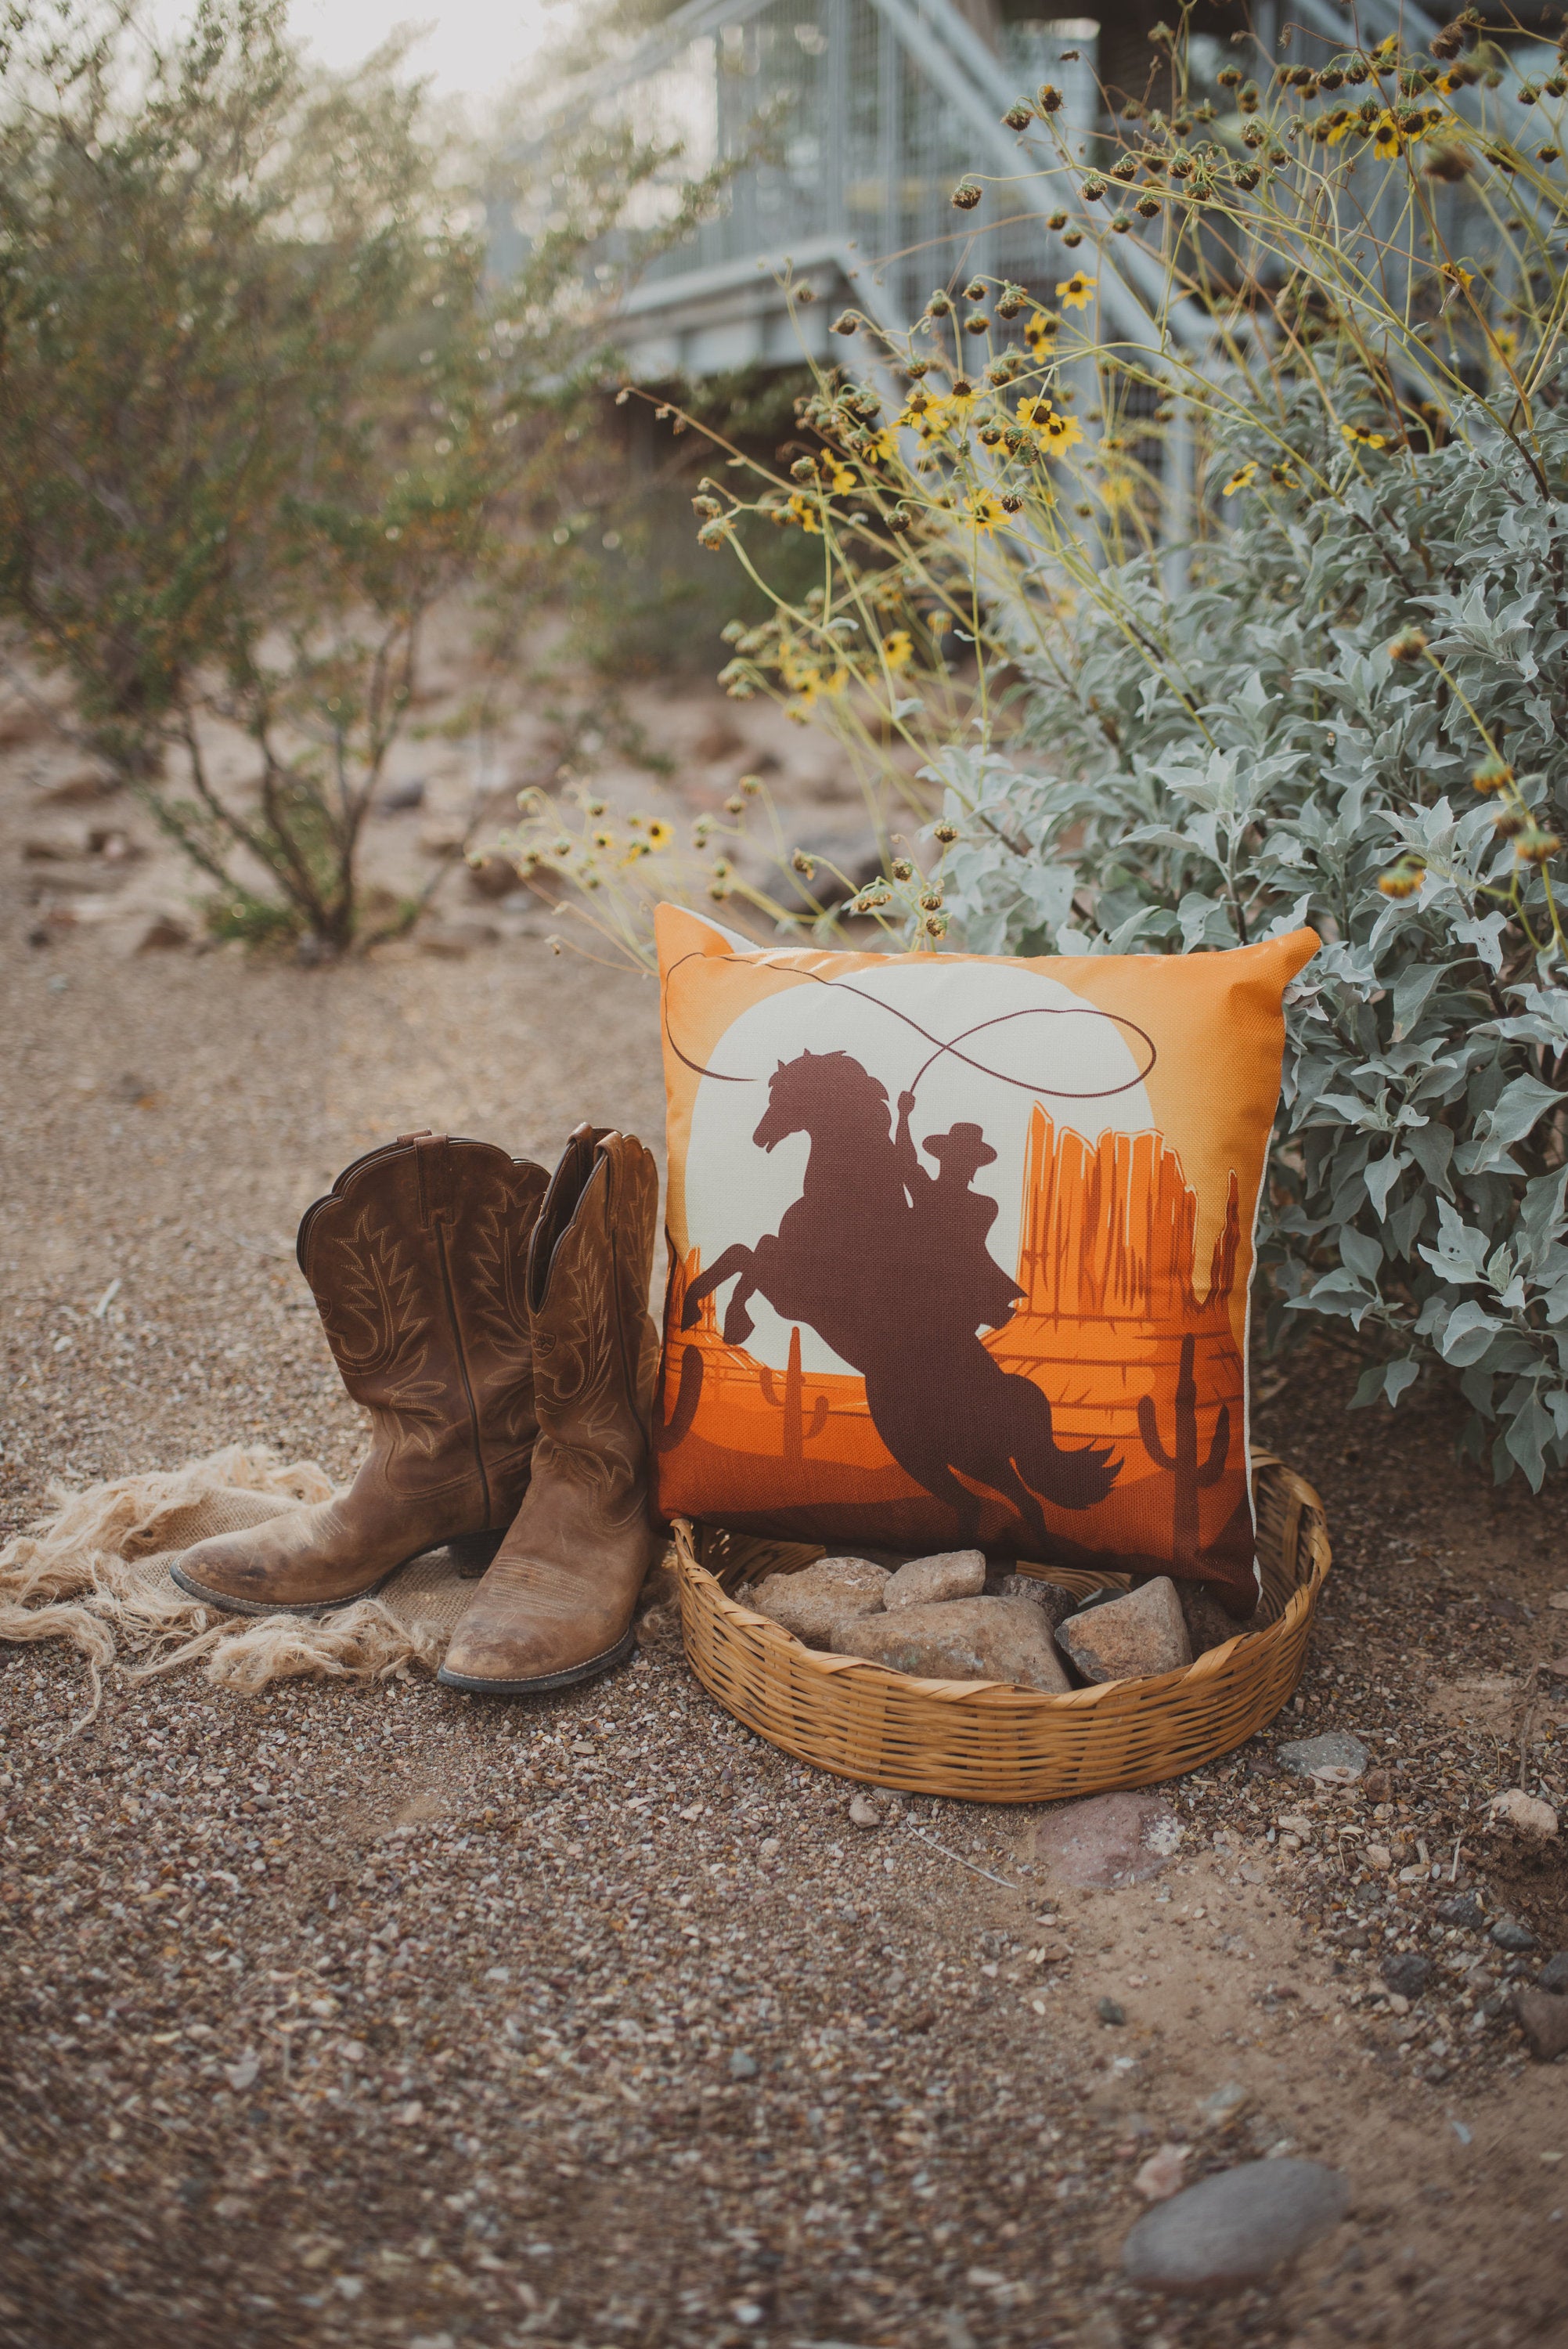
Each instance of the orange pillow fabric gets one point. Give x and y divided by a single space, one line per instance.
961 1248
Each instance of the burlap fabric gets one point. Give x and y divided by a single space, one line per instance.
97 1574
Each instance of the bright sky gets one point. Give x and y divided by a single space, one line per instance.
470 47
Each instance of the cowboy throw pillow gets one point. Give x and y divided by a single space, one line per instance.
961 1248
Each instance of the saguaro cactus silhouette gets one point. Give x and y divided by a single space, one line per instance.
1182 1460
795 1428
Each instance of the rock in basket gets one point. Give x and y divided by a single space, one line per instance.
982 1739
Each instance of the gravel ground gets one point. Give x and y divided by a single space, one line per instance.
402 2017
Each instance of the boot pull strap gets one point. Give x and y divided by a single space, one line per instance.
433 1162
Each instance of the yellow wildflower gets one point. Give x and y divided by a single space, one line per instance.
1457 274
898 649
1337 125
1117 490
883 449
1386 138
660 833
603 840
1062 433
1073 293
1041 332
843 479
983 511
1036 413
802 511
1241 479
1505 342
1360 438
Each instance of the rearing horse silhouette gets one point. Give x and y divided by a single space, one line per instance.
847 1261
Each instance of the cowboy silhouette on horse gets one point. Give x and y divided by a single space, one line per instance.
890 1267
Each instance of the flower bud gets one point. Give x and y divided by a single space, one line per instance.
1408 646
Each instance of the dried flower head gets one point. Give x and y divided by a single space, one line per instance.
1492 775
1408 646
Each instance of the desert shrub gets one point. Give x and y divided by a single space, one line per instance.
260 412
1342 703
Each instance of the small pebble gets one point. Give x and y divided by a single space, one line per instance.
1526 1812
1110 2010
1407 1972
1543 2018
1335 1750
1510 1934
1161 2174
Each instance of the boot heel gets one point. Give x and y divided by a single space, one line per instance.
471 1553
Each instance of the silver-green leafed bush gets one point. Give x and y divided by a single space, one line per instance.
1250 755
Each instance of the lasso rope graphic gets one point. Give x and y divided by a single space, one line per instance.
941 1049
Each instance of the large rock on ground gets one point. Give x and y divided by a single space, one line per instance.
962 1639
1106 1840
820 1602
1233 2230
1131 1638
949 1574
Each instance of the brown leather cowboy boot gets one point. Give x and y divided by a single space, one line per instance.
556 1606
417 1258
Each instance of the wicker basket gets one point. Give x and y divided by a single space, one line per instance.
982 1740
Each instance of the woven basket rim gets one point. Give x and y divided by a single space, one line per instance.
1006 1695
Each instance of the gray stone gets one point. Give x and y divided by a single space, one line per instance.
1335 1750
948 1574
1131 1638
1055 1603
820 1602
1463 1909
742 2067
1407 1972
1110 2010
1543 2019
1510 1934
1108 1839
1209 1625
1554 1974
1232 2231
962 1639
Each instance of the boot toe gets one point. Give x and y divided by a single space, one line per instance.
523 1657
226 1573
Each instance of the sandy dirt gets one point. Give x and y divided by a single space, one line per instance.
402 2017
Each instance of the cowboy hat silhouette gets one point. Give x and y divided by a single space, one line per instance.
963 1150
